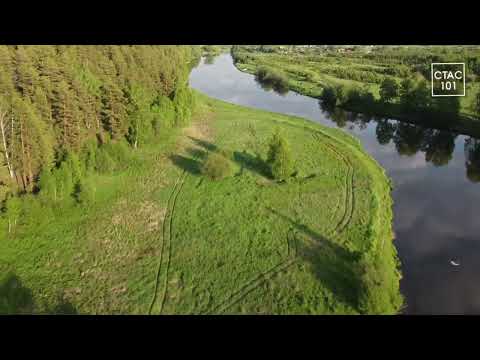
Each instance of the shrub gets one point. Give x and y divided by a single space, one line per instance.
64 182
217 166
184 101
72 163
84 193
104 163
279 159
13 209
88 156
163 110
46 184
119 152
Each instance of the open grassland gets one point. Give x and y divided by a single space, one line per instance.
161 238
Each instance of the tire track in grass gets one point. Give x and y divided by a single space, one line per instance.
349 196
167 239
252 285
169 251
259 279
349 200
164 240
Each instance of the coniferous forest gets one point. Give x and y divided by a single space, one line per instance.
62 107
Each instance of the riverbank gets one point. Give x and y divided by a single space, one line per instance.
303 80
162 238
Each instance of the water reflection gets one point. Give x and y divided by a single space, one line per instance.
209 59
472 156
385 131
408 139
268 85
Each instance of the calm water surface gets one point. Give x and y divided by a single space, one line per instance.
436 176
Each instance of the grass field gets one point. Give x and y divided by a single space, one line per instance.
163 239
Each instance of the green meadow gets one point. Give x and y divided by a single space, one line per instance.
162 238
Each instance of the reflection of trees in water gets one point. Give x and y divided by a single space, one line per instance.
385 131
337 115
195 62
408 139
362 120
472 159
342 117
439 146
267 85
209 59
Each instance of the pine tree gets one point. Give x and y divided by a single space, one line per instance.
47 185
114 111
30 148
6 72
26 75
68 119
42 105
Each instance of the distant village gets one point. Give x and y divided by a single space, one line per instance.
285 49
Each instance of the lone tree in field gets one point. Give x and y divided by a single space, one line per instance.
216 166
388 90
279 158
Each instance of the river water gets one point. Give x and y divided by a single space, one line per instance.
436 177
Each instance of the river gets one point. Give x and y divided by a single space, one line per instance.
436 177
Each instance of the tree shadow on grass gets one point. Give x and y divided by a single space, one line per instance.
334 266
204 144
245 160
252 163
63 307
15 299
198 154
190 165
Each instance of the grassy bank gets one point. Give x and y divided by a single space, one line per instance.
161 237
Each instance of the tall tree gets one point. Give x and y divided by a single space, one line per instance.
68 123
388 89
114 110
29 144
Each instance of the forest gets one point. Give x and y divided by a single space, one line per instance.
67 110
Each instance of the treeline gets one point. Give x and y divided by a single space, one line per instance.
367 75
409 97
420 58
73 109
